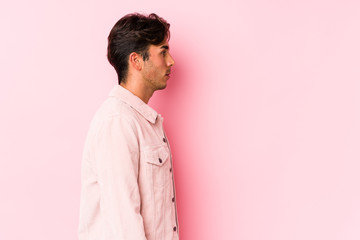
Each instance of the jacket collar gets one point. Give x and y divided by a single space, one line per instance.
135 102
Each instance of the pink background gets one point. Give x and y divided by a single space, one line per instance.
262 112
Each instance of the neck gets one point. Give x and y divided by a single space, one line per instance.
138 90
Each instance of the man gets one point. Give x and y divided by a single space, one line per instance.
127 183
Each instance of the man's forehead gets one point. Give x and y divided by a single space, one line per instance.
161 46
164 45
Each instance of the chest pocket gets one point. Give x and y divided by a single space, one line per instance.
158 165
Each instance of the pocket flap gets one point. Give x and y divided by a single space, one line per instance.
157 156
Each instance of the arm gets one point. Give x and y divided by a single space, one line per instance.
117 159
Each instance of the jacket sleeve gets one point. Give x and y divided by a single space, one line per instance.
117 160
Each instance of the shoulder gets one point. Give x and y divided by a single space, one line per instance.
113 113
114 108
114 123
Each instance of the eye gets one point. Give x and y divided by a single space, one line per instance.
163 53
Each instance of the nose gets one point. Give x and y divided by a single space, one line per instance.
171 61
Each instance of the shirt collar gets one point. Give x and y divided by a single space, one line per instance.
135 102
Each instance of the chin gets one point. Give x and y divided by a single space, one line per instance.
162 87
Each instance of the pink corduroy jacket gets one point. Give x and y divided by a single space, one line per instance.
127 183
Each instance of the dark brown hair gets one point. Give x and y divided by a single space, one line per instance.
134 33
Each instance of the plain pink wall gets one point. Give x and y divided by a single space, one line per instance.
262 113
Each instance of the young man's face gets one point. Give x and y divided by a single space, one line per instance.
156 70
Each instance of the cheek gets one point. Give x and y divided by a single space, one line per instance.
150 72
159 63
155 69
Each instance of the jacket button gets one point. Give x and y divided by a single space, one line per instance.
170 169
173 199
164 139
160 161
174 229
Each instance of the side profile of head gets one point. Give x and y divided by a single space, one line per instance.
134 33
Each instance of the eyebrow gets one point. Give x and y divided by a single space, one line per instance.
165 47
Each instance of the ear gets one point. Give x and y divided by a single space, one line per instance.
136 61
